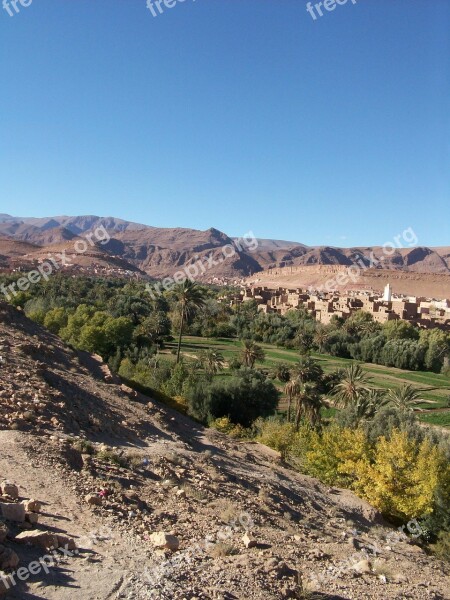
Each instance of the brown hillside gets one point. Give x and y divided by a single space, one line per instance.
175 478
162 252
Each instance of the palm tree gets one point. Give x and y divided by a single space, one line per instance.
404 398
189 297
312 405
251 353
354 383
369 403
308 403
291 389
212 361
320 338
282 372
307 369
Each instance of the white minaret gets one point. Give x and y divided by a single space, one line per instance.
387 297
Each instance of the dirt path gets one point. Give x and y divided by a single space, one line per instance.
102 566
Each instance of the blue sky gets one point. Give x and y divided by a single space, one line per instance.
240 115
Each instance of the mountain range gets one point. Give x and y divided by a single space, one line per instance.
160 252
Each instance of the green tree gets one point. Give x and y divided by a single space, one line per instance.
404 398
56 319
211 361
291 389
242 399
189 297
367 405
308 404
307 369
282 372
353 384
400 330
252 353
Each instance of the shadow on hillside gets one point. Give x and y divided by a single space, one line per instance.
86 411
55 575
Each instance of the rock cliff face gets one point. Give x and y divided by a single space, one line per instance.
161 252
120 497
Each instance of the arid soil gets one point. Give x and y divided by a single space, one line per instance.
429 285
232 521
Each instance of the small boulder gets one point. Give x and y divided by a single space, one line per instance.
32 518
283 570
42 539
3 532
163 540
249 542
64 541
93 499
362 567
128 391
32 505
8 558
12 512
9 489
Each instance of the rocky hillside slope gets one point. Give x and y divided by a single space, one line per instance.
145 503
161 252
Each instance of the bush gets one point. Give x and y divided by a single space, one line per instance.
332 455
276 434
243 398
224 425
403 476
442 546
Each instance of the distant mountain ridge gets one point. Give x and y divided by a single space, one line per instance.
160 252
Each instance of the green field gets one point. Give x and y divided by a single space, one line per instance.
436 388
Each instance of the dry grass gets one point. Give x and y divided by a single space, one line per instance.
222 549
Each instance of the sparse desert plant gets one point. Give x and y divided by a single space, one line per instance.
95 421
222 424
170 482
83 446
221 549
263 495
194 493
381 567
134 461
112 457
228 512
175 459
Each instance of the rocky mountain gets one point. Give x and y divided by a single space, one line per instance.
120 497
160 252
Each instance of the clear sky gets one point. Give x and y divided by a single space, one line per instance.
235 114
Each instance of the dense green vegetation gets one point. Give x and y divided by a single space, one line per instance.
288 381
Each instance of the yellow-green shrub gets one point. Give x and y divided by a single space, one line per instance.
335 455
279 436
224 425
403 478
